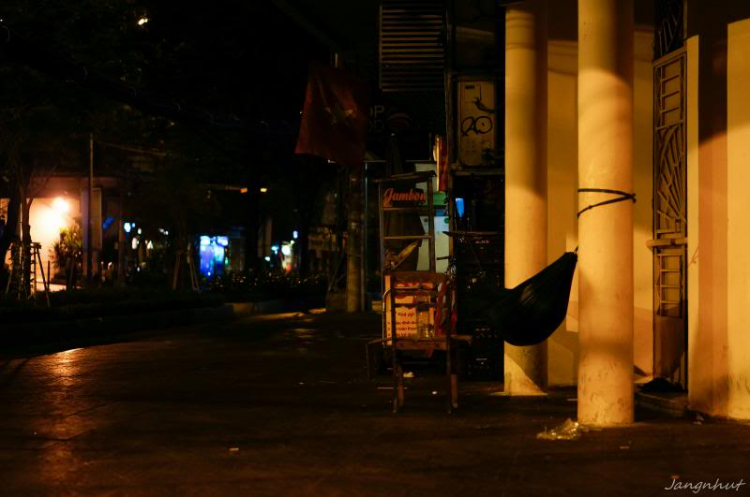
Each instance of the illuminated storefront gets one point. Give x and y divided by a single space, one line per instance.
213 255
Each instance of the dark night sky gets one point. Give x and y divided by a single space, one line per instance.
233 57
243 58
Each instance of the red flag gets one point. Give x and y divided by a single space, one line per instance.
335 117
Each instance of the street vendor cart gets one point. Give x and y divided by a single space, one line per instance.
418 306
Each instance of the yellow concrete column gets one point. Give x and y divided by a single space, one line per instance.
605 144
525 174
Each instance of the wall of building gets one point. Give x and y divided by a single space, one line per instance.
718 182
47 216
643 215
707 371
563 184
693 192
738 228
61 203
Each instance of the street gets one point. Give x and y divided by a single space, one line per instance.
281 405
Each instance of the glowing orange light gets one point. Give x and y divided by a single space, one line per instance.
61 205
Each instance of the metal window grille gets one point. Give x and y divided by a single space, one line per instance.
411 45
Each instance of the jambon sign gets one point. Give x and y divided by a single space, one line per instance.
393 197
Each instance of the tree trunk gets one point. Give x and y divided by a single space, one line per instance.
11 225
26 244
304 249
122 241
182 276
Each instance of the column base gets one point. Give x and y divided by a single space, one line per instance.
505 393
517 382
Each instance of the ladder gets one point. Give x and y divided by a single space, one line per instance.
16 286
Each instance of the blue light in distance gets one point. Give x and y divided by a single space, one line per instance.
127 227
219 254
460 206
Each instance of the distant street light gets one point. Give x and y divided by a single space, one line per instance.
61 205
263 189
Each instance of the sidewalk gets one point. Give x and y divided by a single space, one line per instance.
281 405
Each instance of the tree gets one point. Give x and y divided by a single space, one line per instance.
224 58
67 253
42 120
30 150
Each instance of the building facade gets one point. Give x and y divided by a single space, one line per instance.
646 98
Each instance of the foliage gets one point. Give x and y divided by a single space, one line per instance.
128 294
78 304
267 285
44 113
45 122
67 253
221 61
174 198
69 248
153 273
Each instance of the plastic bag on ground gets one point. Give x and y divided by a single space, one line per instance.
568 430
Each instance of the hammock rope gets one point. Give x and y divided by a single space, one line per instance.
622 196
530 312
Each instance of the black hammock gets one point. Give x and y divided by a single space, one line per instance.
529 313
